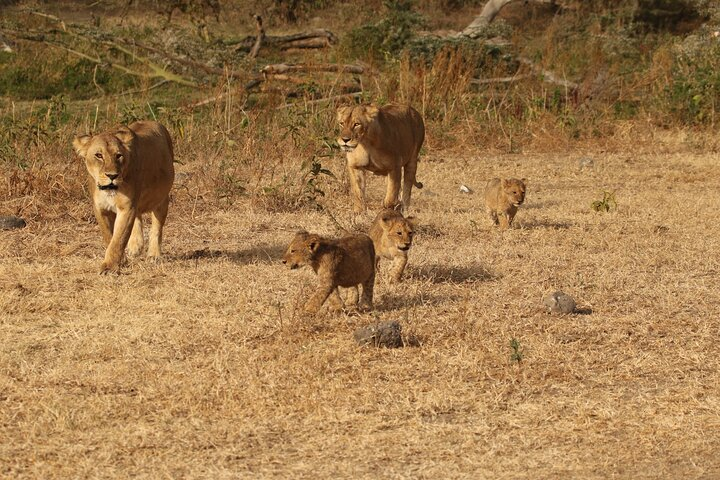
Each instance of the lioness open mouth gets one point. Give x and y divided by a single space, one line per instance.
109 186
404 248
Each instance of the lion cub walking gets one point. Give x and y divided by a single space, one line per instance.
345 262
131 172
502 199
392 235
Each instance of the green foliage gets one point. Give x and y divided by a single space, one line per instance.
516 354
389 36
693 95
606 204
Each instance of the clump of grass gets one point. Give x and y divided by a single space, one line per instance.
516 354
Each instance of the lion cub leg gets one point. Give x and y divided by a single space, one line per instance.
159 214
323 291
136 242
398 267
493 216
366 301
335 303
393 188
510 214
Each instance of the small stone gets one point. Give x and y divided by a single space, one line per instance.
465 189
586 162
383 334
559 302
11 222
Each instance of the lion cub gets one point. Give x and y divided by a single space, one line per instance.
344 262
392 235
502 199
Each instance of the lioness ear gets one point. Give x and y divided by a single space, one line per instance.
371 111
81 144
125 135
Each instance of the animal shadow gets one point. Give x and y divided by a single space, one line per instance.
539 224
257 254
390 301
441 273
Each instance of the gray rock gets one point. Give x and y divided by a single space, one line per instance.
383 334
586 163
11 222
559 302
465 189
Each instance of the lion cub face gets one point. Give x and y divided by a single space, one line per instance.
301 250
398 231
106 156
514 190
354 121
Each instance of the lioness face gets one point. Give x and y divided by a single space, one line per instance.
514 189
301 250
354 122
400 232
106 157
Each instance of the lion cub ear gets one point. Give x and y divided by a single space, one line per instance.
413 221
125 135
524 181
81 144
505 183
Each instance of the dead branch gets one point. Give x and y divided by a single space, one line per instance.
547 75
486 81
487 15
321 100
322 38
260 37
283 68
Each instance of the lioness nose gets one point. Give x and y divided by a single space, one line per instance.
112 176
345 139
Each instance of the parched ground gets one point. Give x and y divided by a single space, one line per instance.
200 367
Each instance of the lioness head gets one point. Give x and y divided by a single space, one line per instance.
354 122
514 190
399 230
301 250
107 156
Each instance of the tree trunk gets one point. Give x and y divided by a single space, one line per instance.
487 15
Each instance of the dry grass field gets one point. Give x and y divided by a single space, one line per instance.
200 366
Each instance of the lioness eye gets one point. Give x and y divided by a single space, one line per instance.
98 155
118 156
356 125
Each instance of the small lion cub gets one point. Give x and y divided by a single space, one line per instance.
502 199
345 262
392 235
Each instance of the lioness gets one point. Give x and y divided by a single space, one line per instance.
392 236
385 141
344 262
131 172
502 199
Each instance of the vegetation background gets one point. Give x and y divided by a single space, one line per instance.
200 366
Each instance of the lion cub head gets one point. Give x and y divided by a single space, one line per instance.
107 156
354 123
514 190
392 233
302 250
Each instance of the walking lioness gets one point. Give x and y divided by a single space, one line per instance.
384 141
131 172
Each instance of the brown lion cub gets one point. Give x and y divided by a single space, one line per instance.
502 199
131 172
345 262
392 235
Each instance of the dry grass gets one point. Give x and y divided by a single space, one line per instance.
200 367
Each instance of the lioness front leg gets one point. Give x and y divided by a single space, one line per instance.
136 242
393 188
357 188
106 220
121 234
321 294
159 214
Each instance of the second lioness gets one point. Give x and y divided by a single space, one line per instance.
344 262
384 141
392 234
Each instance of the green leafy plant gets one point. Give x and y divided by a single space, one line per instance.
606 204
516 354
